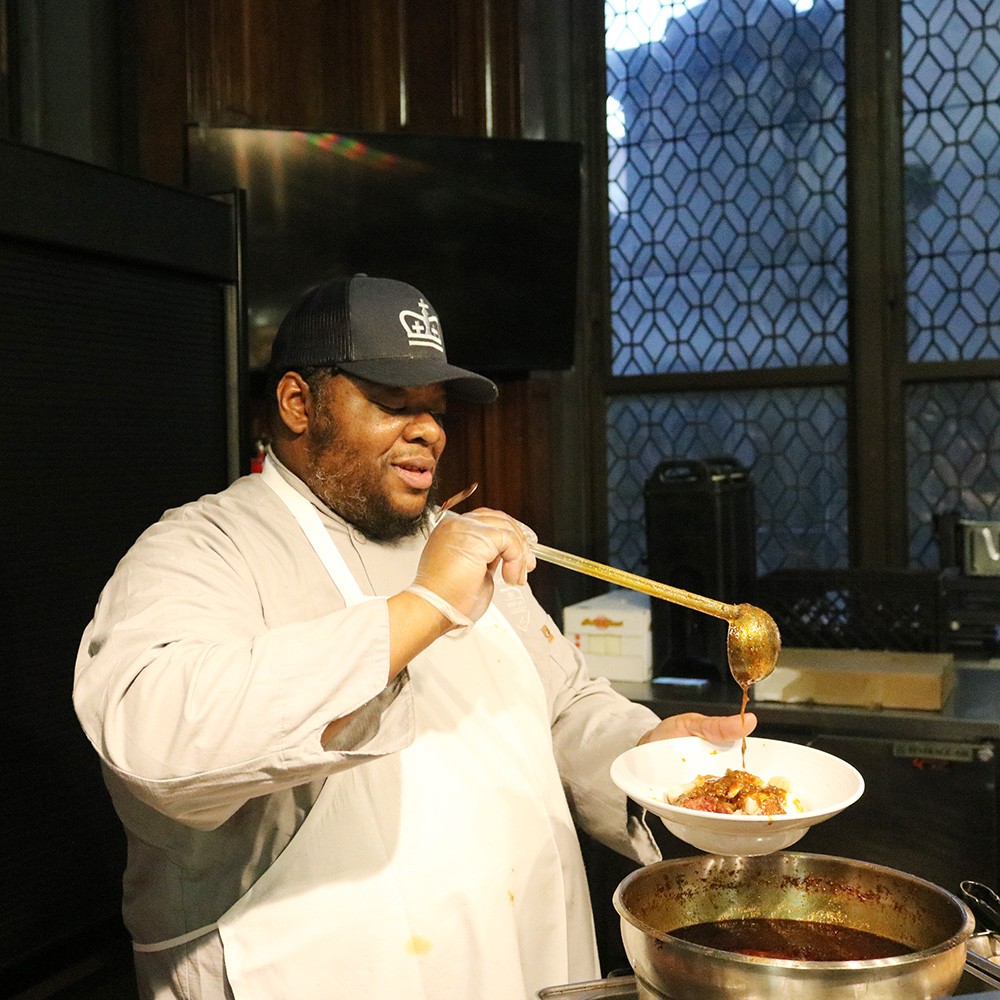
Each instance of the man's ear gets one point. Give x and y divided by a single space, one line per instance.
294 402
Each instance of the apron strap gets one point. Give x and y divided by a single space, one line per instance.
313 528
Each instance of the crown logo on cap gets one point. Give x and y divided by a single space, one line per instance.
423 329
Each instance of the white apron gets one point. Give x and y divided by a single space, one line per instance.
448 871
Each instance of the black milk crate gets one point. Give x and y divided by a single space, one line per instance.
887 609
971 613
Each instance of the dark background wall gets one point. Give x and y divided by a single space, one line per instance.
115 308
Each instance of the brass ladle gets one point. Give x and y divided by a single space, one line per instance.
459 497
752 640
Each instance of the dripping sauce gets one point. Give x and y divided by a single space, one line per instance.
743 721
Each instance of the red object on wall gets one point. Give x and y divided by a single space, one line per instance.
257 462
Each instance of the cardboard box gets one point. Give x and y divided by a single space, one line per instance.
613 632
859 677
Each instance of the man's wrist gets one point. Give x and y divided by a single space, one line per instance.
459 621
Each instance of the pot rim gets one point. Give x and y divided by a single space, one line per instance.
960 937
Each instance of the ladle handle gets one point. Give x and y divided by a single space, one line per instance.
632 581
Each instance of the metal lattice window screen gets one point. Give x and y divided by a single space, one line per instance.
727 203
727 199
951 115
794 440
951 139
953 451
726 186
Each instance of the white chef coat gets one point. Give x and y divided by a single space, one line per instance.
222 611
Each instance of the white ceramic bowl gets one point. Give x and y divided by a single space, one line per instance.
823 784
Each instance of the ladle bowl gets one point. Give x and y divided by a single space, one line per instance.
752 644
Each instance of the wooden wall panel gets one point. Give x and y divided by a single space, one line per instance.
446 67
161 84
497 446
504 63
460 72
507 448
312 63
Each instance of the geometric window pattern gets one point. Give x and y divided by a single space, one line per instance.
727 185
727 200
792 441
951 147
953 449
726 193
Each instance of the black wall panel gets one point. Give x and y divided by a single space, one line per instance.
113 407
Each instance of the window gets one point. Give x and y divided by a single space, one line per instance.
764 223
951 152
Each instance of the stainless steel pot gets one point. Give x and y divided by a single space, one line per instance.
671 894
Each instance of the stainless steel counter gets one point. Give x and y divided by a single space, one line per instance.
980 981
971 712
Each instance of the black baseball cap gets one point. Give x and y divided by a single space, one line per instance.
379 329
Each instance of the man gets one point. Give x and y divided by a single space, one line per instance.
346 743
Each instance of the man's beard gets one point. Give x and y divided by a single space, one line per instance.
355 491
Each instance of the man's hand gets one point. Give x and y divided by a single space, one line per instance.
717 728
463 552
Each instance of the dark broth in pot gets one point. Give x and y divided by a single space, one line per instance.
795 940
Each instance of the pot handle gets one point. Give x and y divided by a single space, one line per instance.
984 903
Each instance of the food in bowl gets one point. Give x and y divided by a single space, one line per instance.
736 791
824 784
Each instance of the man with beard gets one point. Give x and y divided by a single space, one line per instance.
348 747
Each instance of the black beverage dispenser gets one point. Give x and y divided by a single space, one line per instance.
701 537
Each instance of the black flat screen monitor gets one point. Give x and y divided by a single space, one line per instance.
487 229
